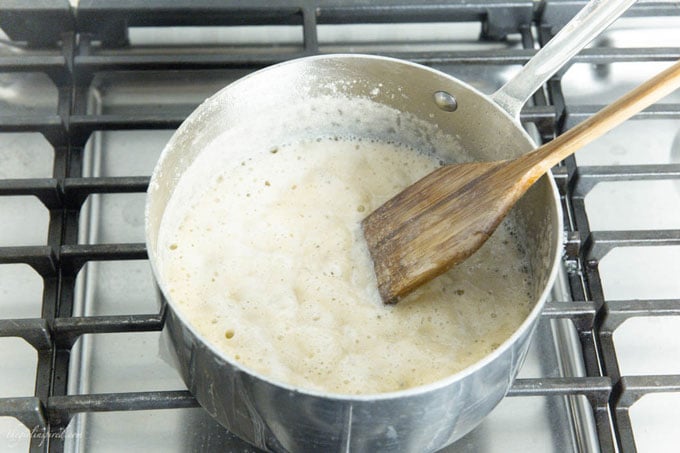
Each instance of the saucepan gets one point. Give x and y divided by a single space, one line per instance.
279 417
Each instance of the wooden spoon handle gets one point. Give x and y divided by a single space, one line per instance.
606 119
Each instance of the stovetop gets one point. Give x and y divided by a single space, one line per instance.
90 93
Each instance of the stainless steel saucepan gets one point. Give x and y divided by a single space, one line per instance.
275 416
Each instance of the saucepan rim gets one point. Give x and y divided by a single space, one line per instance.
528 322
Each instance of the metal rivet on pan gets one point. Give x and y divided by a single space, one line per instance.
445 101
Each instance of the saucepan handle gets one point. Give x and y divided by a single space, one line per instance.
583 28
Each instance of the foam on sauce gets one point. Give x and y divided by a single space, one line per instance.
269 263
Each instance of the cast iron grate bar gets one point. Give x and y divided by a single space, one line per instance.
126 122
46 190
660 111
599 243
61 409
558 13
73 257
28 410
629 390
76 190
52 65
35 332
582 313
109 184
124 62
588 176
73 191
68 330
50 126
39 23
615 312
42 258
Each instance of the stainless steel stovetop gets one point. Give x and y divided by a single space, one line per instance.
88 102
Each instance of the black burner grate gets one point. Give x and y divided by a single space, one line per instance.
72 33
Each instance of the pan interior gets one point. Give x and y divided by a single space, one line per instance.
372 99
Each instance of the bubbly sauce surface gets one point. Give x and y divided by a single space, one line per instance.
269 263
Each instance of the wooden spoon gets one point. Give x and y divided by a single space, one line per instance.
445 217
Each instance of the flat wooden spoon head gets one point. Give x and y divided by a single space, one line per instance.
445 217
438 222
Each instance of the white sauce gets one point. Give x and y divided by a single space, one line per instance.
268 262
